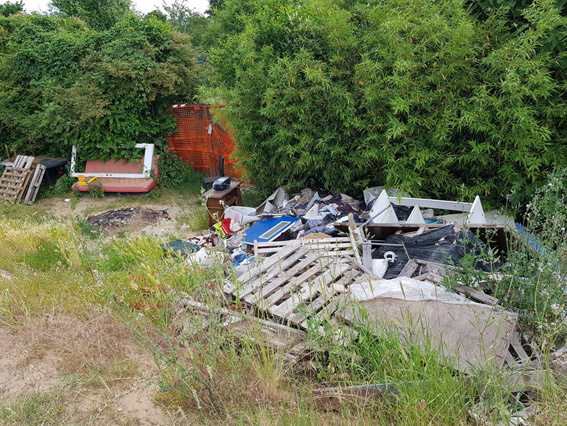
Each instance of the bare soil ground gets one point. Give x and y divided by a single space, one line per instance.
87 206
89 366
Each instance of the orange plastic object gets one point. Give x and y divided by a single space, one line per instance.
200 142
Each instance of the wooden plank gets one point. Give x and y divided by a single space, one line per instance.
25 185
409 269
263 250
304 241
35 184
477 295
429 276
355 248
516 343
309 290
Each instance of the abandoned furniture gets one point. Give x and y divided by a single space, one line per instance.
218 200
120 175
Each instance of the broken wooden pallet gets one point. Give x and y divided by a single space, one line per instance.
15 179
295 284
192 317
341 246
34 184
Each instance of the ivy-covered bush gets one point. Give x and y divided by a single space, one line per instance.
416 95
63 83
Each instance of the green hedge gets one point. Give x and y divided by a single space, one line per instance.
417 95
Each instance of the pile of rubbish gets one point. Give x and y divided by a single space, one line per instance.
318 258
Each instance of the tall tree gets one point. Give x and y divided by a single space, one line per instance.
417 95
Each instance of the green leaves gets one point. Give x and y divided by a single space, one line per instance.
416 95
64 84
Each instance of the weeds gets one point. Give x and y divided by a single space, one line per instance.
96 190
196 220
61 187
35 408
175 173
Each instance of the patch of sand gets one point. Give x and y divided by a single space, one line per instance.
40 355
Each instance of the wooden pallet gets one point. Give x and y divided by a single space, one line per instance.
296 284
192 317
34 185
15 179
341 246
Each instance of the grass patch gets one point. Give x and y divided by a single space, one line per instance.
31 214
34 409
197 220
47 257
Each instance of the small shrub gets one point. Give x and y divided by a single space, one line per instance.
62 186
96 189
175 173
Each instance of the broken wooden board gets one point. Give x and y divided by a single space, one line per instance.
468 334
34 184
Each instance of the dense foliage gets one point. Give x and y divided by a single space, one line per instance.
98 14
11 8
448 99
64 83
424 96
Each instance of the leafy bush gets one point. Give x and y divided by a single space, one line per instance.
64 84
175 173
415 95
537 263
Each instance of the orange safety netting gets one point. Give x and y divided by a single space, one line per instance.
201 142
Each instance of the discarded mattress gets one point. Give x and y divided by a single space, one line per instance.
111 184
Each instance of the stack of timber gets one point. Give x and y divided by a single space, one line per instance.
20 182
